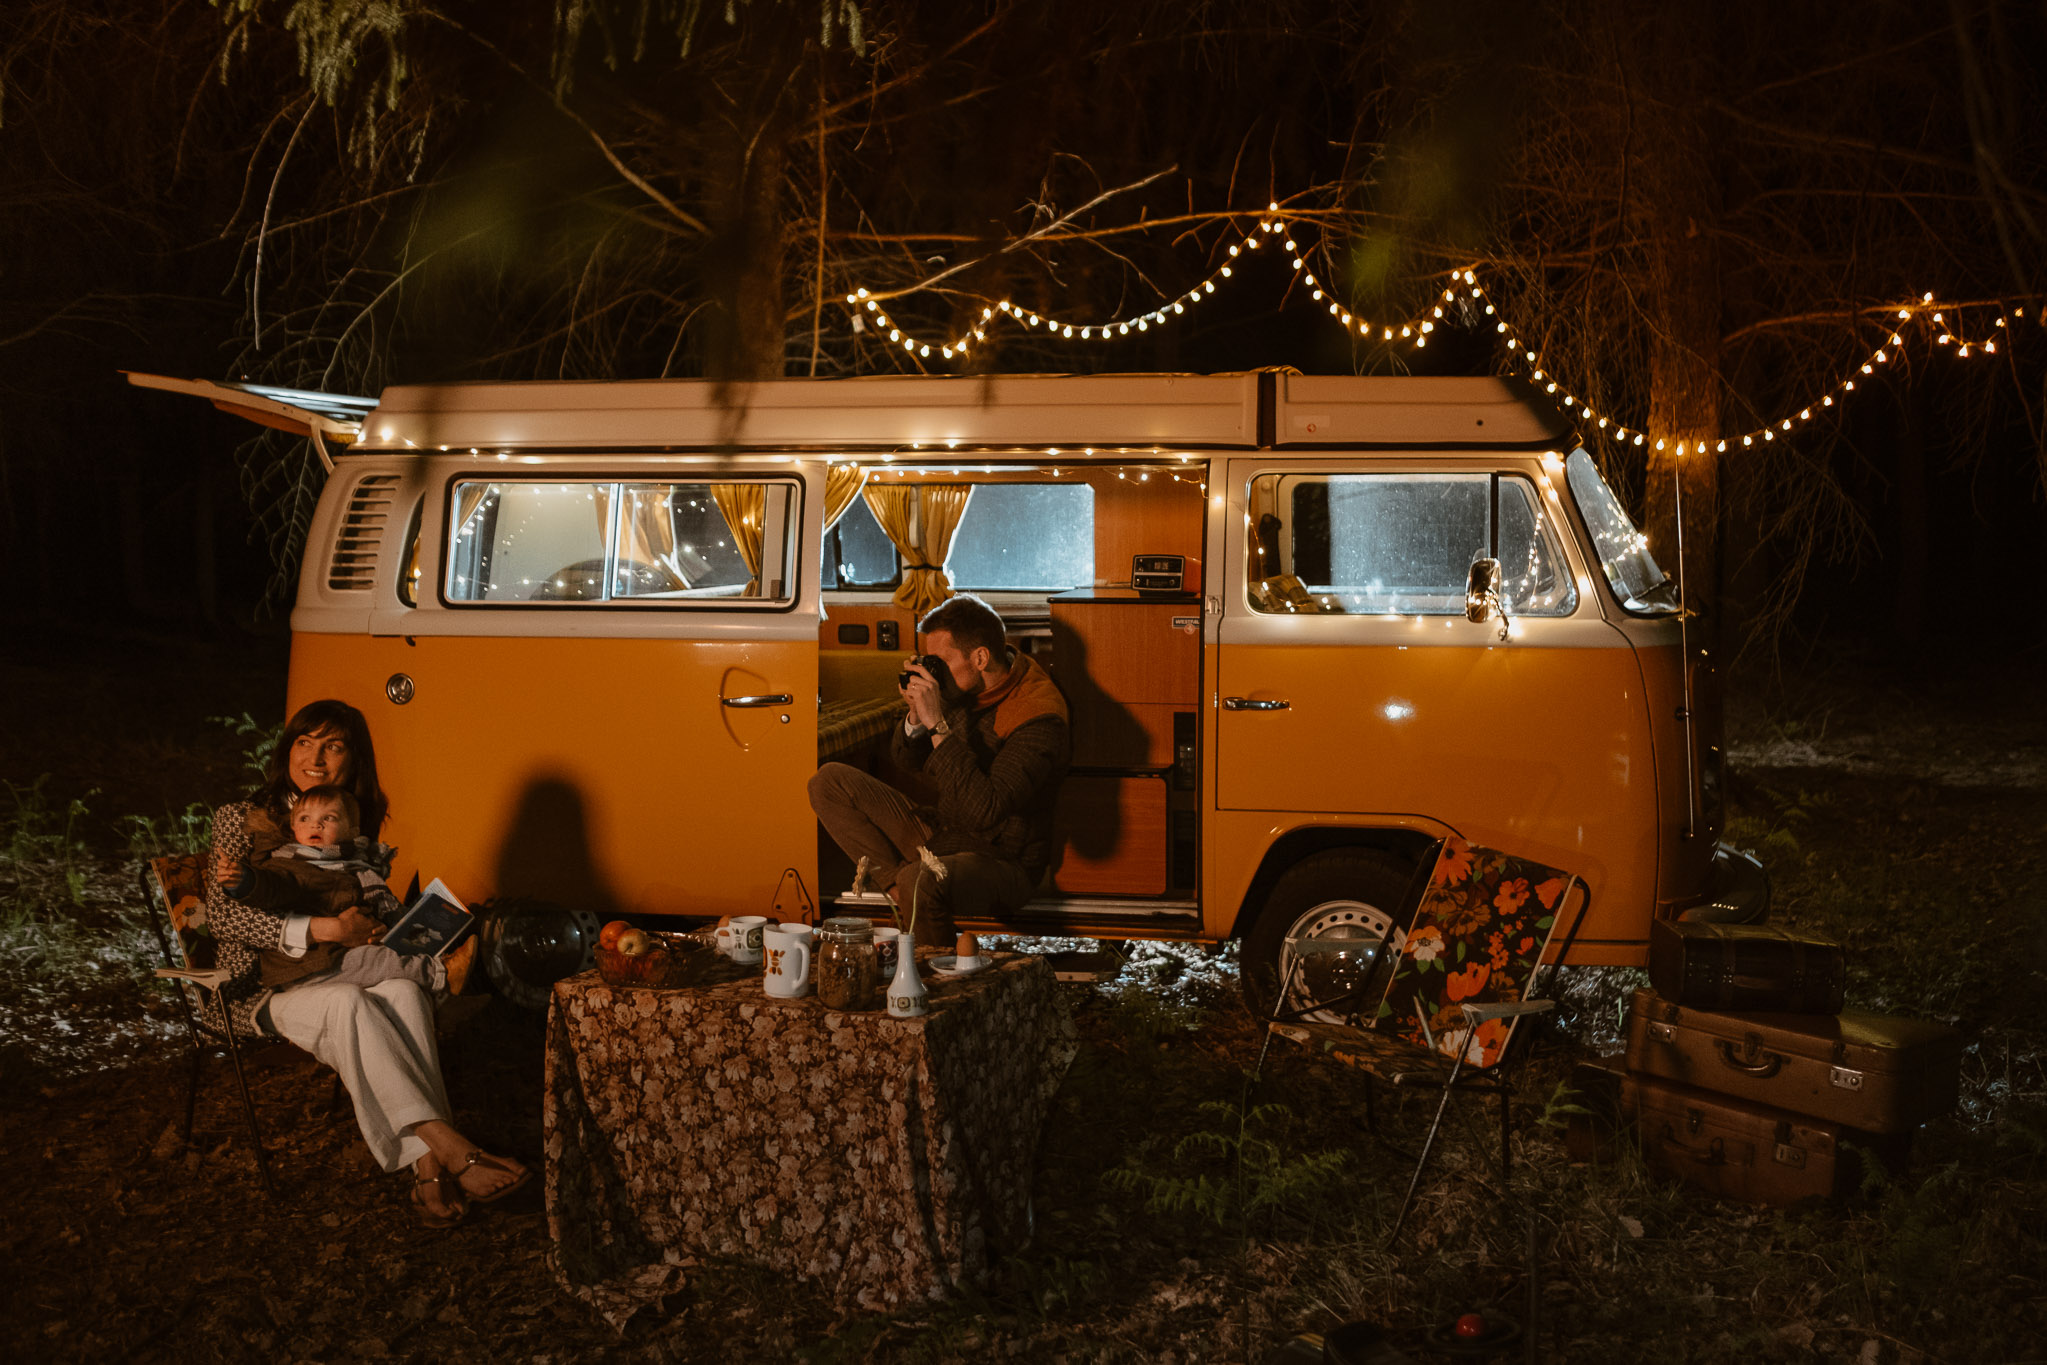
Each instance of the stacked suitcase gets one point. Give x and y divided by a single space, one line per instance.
1745 1076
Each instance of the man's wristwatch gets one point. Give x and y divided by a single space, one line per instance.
942 728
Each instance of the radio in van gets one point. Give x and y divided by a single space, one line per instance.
1158 573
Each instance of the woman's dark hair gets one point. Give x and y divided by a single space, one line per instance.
314 718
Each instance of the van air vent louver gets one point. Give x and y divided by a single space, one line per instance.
354 566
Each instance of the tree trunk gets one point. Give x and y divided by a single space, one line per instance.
744 260
759 302
1679 215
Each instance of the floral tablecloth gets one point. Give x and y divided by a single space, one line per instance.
881 1160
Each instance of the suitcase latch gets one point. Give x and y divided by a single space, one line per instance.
1843 1078
1788 1155
1663 1033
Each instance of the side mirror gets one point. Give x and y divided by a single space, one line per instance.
1482 600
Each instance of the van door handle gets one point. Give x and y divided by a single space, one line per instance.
1246 704
769 699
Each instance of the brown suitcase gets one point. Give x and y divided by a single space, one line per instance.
1730 1147
1875 1072
1746 967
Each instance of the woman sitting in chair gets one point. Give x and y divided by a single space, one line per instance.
380 1037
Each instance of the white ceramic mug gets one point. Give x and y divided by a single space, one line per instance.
723 935
787 956
888 942
746 937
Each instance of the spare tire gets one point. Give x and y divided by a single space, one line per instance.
528 945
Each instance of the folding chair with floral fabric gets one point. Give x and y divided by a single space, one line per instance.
174 889
1461 982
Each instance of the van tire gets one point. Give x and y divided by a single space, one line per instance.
1340 891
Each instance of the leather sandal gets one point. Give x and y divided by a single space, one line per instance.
480 1158
427 1216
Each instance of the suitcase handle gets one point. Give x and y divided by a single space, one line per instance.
1713 1153
1764 1065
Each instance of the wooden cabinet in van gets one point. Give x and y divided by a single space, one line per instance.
1130 666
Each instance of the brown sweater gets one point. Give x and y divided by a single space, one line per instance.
997 776
300 886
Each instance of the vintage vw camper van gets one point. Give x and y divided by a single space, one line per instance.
604 632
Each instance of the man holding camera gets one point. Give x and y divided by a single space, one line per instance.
987 729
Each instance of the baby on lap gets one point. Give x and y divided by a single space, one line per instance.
327 870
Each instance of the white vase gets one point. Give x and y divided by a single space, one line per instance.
907 997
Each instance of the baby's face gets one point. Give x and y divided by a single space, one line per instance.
321 824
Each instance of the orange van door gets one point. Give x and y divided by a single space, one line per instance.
606 693
1351 690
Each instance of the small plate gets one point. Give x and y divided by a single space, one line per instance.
948 965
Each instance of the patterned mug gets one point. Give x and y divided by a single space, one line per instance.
746 937
787 956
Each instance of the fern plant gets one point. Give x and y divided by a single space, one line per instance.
1249 1171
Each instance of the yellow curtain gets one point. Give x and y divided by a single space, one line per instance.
895 512
841 485
943 505
744 507
647 532
919 520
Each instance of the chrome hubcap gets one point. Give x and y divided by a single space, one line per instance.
1323 978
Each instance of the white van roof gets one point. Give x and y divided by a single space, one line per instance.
1064 413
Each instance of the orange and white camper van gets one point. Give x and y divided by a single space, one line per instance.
604 632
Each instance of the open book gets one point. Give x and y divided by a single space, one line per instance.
434 922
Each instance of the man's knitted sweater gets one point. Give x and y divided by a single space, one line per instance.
997 776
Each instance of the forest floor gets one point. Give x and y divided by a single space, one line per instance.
1905 816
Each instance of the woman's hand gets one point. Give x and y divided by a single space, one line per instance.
351 928
226 871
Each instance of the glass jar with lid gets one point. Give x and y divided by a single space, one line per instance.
848 965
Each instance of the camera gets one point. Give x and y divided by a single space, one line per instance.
935 666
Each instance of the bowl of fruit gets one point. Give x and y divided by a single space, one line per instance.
629 956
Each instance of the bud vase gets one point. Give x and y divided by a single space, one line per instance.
906 995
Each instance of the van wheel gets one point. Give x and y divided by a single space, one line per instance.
1340 893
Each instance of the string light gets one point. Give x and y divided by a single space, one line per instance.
1464 288
1528 362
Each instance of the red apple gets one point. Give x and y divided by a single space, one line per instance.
634 943
1470 1326
608 936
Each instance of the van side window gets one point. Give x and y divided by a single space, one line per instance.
1398 544
603 542
1025 536
857 553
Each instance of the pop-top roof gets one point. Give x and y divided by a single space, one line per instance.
1112 413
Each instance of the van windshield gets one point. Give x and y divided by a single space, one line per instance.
1633 572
